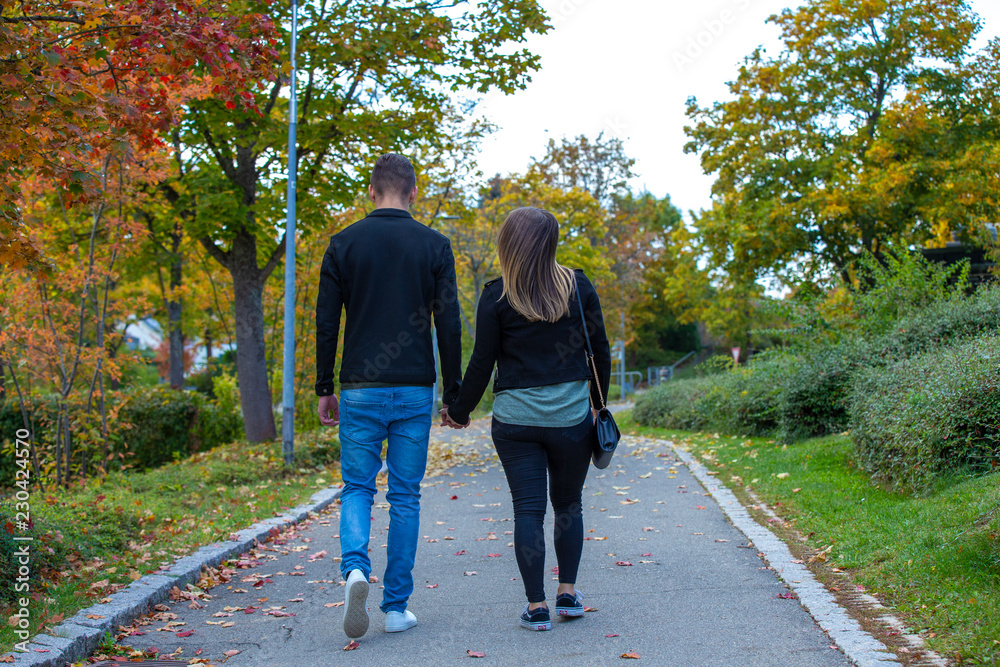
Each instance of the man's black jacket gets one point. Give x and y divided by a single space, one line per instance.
533 354
391 273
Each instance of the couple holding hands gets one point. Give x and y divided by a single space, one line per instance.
395 277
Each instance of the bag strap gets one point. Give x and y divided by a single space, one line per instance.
590 350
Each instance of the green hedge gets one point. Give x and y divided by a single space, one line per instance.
930 413
169 424
674 404
744 400
165 424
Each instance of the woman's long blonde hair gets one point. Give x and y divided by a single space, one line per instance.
537 287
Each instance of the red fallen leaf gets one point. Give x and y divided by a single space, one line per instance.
198 652
185 633
623 563
231 652
590 608
493 555
700 507
351 646
454 497
476 654
631 656
612 635
460 553
432 586
786 596
646 555
249 610
152 650
42 650
258 584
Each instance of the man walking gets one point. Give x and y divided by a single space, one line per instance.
393 275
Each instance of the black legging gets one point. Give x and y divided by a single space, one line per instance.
526 453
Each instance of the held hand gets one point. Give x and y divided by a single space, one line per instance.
329 410
446 419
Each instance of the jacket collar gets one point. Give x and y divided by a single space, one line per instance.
389 213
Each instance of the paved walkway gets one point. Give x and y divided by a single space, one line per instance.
694 594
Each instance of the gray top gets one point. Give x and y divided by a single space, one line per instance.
554 405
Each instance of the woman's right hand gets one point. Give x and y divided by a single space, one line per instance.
446 419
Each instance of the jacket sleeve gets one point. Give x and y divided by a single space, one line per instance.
329 303
484 358
447 322
598 339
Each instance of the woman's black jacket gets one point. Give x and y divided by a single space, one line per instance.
532 354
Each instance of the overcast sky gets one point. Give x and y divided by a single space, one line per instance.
626 67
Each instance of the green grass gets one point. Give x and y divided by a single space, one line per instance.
106 533
935 558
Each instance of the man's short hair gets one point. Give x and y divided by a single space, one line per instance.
393 176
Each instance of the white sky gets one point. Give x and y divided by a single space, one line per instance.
627 67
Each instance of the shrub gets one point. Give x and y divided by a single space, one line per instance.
815 396
746 400
674 404
930 413
168 424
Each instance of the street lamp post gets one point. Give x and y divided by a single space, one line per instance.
288 367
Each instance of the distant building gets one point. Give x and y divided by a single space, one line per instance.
980 269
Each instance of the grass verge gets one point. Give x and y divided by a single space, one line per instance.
94 538
934 559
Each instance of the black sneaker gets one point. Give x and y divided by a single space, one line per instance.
569 605
537 619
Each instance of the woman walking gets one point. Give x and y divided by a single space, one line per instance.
529 325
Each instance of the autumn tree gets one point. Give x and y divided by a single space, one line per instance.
79 79
800 190
373 76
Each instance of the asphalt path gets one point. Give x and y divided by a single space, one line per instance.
667 577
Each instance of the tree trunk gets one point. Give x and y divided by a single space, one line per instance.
251 365
174 308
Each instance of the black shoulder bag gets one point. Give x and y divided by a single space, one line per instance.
606 434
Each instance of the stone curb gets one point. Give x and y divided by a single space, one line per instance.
861 648
78 637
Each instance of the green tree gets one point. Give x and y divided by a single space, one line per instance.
373 76
800 189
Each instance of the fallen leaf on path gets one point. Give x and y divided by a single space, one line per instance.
590 608
334 604
460 553
432 585
185 633
351 646
230 653
700 507
493 555
623 563
612 635
631 656
470 573
476 654
646 555
453 498
786 596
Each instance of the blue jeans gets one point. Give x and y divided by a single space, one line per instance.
367 418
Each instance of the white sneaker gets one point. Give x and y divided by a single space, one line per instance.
355 601
398 621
